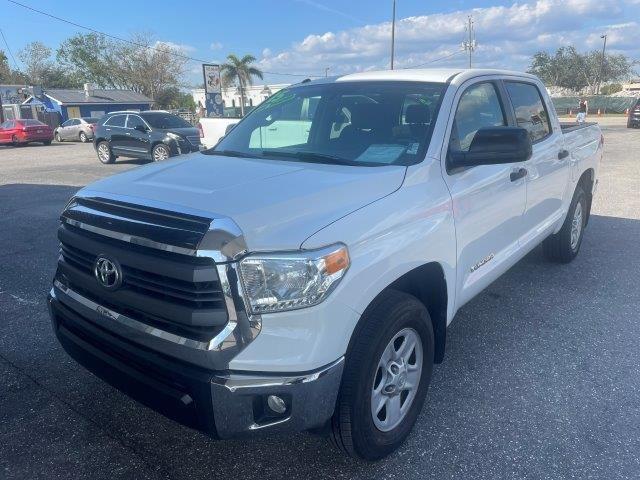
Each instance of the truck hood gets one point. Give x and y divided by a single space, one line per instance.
277 204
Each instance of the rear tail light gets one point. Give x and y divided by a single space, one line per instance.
200 130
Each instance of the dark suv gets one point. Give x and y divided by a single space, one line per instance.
634 116
152 135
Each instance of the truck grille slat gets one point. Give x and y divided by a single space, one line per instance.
180 292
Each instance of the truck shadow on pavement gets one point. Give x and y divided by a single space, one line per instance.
529 363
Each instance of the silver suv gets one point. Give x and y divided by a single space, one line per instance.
76 129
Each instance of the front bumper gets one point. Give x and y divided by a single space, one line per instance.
224 404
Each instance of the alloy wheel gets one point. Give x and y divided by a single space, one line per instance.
576 226
396 379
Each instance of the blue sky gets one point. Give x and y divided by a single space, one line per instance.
305 36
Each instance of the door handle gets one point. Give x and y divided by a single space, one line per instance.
563 154
518 174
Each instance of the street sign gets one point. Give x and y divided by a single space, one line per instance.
212 90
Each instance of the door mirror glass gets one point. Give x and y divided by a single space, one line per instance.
494 145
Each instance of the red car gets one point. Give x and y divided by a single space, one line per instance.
23 131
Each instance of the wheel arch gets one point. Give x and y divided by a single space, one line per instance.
586 182
428 284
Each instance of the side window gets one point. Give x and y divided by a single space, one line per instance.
116 121
75 121
479 107
67 123
134 121
290 127
530 110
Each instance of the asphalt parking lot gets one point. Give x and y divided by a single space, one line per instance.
541 377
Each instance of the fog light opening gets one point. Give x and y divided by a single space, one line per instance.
276 404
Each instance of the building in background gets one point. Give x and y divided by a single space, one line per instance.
253 95
89 102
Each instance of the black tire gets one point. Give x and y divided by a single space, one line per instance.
16 143
102 148
58 138
47 142
353 430
83 137
160 152
560 247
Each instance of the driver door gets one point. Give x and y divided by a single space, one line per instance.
488 202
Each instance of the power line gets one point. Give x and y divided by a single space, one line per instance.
15 64
120 39
435 60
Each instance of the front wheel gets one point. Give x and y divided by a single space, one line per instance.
565 245
387 373
58 138
160 152
104 153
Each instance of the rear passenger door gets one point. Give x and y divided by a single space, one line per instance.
488 203
548 168
117 133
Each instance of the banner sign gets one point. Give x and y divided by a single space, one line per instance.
212 90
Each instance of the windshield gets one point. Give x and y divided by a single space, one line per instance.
166 120
354 123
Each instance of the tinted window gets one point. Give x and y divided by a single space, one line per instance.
67 123
479 107
8 124
134 121
362 123
166 120
116 121
530 110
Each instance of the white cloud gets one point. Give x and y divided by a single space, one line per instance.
178 46
507 37
216 46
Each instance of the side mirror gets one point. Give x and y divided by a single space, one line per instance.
493 146
140 128
229 128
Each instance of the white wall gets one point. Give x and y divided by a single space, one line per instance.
254 95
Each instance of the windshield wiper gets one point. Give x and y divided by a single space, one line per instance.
229 153
312 157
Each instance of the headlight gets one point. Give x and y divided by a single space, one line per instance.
175 136
288 281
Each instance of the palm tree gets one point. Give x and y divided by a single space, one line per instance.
240 70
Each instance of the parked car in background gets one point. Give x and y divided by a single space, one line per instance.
76 129
213 129
151 135
23 131
634 116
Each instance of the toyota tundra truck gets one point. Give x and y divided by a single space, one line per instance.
301 274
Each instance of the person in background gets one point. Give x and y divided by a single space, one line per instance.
583 107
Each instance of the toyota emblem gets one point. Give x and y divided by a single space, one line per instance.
107 273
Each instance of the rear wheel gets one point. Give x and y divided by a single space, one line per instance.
104 153
83 137
58 137
47 142
564 246
160 152
16 142
387 373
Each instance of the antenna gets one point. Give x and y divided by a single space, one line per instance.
470 44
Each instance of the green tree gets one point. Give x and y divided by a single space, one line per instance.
172 97
143 64
611 88
9 75
577 71
239 70
36 57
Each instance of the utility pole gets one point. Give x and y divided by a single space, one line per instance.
470 44
604 47
393 32
326 71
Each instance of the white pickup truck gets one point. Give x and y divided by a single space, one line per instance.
302 274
